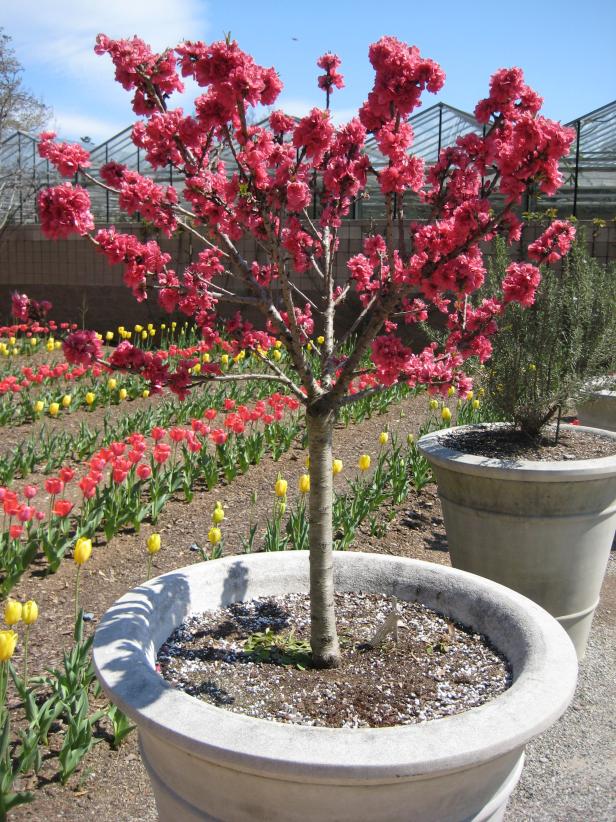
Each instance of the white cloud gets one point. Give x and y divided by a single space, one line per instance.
73 125
59 36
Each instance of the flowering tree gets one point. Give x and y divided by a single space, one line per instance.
275 172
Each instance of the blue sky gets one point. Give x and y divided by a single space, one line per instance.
566 49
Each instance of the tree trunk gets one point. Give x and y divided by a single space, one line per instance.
323 636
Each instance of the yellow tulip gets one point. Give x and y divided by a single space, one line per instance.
33 341
410 439
39 407
122 393
304 483
451 391
278 344
54 409
445 414
112 384
12 612
90 397
145 393
66 400
309 346
8 641
469 395
139 329
30 612
206 357
276 356
225 359
214 535
364 462
49 345
433 404
144 334
280 487
83 550
12 340
383 438
109 336
197 368
152 332
321 339
57 344
337 466
218 515
476 405
153 543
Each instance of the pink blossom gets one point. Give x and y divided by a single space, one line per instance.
65 157
520 283
64 210
82 348
554 243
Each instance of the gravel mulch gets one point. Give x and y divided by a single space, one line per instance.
508 444
435 669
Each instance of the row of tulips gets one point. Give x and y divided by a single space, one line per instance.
132 480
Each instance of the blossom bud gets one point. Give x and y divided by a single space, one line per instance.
12 612
8 641
83 550
214 535
29 612
364 462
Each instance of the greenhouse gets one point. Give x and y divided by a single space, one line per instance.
588 192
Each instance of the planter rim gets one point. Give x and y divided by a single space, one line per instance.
536 470
540 693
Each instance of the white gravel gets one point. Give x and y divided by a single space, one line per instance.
570 771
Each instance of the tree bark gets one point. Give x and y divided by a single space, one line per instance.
323 635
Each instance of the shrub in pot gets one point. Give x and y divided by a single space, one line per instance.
541 525
288 185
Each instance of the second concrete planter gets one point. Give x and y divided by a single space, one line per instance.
599 410
544 529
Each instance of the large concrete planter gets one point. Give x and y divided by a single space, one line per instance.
206 763
599 410
544 529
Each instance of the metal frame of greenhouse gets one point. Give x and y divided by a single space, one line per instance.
588 192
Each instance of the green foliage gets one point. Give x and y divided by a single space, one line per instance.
544 354
279 648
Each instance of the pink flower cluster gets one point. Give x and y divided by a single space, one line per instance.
331 79
520 283
27 310
154 76
67 158
554 243
64 210
140 259
82 348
